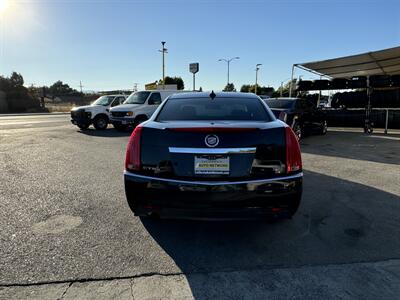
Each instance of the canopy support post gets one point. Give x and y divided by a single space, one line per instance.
291 82
386 120
368 128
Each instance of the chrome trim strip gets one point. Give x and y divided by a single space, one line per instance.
214 183
212 150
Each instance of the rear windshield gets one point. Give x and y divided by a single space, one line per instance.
280 103
199 109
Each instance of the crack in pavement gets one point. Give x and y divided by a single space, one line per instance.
150 274
132 280
65 292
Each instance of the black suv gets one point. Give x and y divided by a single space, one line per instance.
301 114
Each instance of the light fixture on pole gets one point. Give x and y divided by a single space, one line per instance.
228 61
257 68
163 51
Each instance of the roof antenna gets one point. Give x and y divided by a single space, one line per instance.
212 95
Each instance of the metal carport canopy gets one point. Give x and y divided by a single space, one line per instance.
382 62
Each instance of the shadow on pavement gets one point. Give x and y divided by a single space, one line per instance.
338 222
109 132
377 147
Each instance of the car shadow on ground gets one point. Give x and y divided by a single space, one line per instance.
338 222
109 132
376 147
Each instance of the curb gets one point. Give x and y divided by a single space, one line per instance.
34 114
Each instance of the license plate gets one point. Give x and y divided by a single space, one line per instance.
211 165
123 122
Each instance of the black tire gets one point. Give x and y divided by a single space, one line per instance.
83 126
298 130
324 128
100 122
294 207
120 127
139 120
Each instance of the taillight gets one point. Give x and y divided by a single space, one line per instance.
283 116
132 158
293 154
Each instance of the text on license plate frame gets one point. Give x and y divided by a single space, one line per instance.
211 165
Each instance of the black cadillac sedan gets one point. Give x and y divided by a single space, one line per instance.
213 155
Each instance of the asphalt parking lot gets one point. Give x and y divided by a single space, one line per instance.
67 231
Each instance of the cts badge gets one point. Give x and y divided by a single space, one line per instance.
211 140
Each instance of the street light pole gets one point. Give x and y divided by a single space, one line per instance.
257 68
282 82
228 61
228 71
163 50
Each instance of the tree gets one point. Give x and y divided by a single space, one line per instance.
174 80
283 91
230 87
17 96
16 80
261 90
245 88
59 88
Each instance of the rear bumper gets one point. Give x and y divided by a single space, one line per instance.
277 197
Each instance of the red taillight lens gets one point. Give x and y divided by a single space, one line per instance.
293 154
132 158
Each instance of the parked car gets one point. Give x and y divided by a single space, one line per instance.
221 155
300 114
97 113
138 108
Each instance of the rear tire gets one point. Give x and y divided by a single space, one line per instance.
324 128
298 130
138 121
294 207
100 122
83 126
120 127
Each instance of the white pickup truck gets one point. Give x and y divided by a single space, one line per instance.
98 113
138 108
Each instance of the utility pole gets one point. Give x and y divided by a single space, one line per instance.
163 51
80 85
228 61
135 86
257 68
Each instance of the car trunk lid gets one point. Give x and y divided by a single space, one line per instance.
213 150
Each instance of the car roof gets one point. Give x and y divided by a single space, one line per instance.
166 91
283 98
217 95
